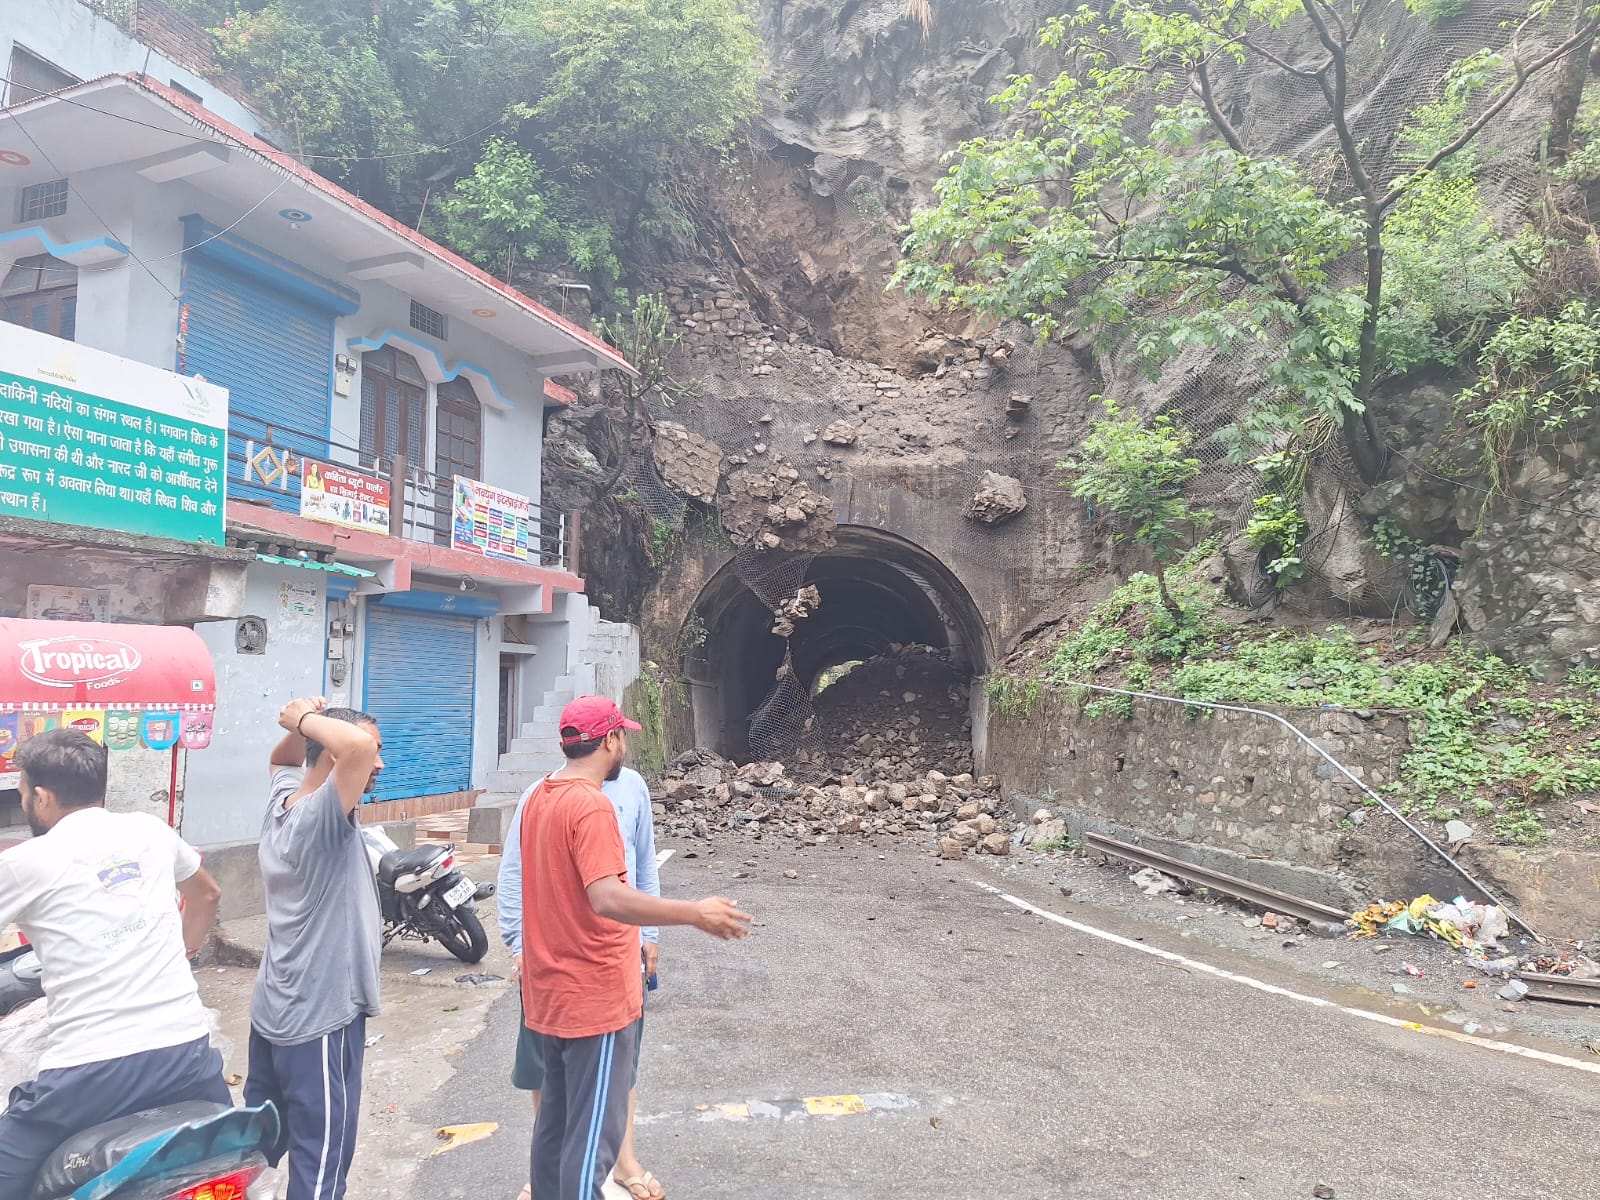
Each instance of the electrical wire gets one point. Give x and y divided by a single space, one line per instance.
6 110
224 231
1338 766
89 208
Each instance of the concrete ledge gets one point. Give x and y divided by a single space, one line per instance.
1325 887
487 824
236 867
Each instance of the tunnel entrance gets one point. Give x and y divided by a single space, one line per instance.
753 691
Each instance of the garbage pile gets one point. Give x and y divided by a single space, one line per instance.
701 793
1462 923
1476 930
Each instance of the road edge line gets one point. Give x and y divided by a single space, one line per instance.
1259 985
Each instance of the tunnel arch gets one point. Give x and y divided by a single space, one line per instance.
877 589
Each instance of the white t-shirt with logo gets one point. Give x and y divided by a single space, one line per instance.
95 896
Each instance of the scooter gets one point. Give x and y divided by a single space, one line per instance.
191 1151
424 897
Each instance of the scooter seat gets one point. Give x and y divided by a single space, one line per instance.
408 862
94 1151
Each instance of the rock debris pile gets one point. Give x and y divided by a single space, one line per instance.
890 756
702 793
899 715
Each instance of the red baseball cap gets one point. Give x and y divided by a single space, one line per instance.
593 717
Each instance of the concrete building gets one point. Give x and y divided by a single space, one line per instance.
47 45
386 402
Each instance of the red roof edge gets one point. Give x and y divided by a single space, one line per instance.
561 395
199 112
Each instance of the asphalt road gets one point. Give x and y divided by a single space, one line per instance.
1027 1059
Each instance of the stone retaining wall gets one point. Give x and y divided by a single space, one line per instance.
1228 780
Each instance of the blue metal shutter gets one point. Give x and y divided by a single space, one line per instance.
274 353
420 686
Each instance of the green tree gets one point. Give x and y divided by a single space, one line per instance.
600 98
1174 231
633 84
1137 473
508 211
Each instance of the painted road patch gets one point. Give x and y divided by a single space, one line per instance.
825 1107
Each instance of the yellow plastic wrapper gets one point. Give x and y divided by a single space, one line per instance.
1371 919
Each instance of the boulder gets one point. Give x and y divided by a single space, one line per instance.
999 498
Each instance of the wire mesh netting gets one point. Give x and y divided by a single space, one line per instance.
996 402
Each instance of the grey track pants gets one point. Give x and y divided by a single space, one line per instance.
583 1113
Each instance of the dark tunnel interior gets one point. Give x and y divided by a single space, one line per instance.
877 589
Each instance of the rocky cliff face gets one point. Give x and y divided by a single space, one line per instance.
792 336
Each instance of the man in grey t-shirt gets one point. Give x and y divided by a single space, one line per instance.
318 982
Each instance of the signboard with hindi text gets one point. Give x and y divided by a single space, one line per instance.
485 520
88 438
340 496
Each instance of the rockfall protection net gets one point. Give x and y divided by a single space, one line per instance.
997 402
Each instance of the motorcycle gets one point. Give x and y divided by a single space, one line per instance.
191 1151
424 897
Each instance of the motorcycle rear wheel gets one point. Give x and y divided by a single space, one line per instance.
461 932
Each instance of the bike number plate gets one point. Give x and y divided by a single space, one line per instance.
461 893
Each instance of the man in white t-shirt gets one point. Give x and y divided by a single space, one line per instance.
93 892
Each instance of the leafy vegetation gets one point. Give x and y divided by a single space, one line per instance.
1538 378
592 104
1276 528
1171 230
1137 472
1487 741
508 212
1427 580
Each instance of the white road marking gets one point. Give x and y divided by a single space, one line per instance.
1364 1014
662 856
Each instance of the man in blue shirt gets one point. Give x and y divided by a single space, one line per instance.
630 796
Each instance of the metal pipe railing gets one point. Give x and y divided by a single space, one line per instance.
421 504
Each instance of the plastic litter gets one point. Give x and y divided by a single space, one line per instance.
1153 883
1462 923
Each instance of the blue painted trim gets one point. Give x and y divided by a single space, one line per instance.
203 238
340 586
455 604
446 372
61 249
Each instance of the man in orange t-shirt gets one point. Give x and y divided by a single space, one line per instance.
581 986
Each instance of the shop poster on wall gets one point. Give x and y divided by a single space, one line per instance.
489 522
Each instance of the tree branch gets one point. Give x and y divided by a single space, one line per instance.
1200 77
1283 64
1227 266
1585 33
1335 83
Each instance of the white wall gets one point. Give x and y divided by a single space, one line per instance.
73 37
227 781
512 440
132 309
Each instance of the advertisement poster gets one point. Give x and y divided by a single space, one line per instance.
76 449
48 603
489 522
10 734
339 496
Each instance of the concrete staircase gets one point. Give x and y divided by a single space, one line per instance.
534 753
